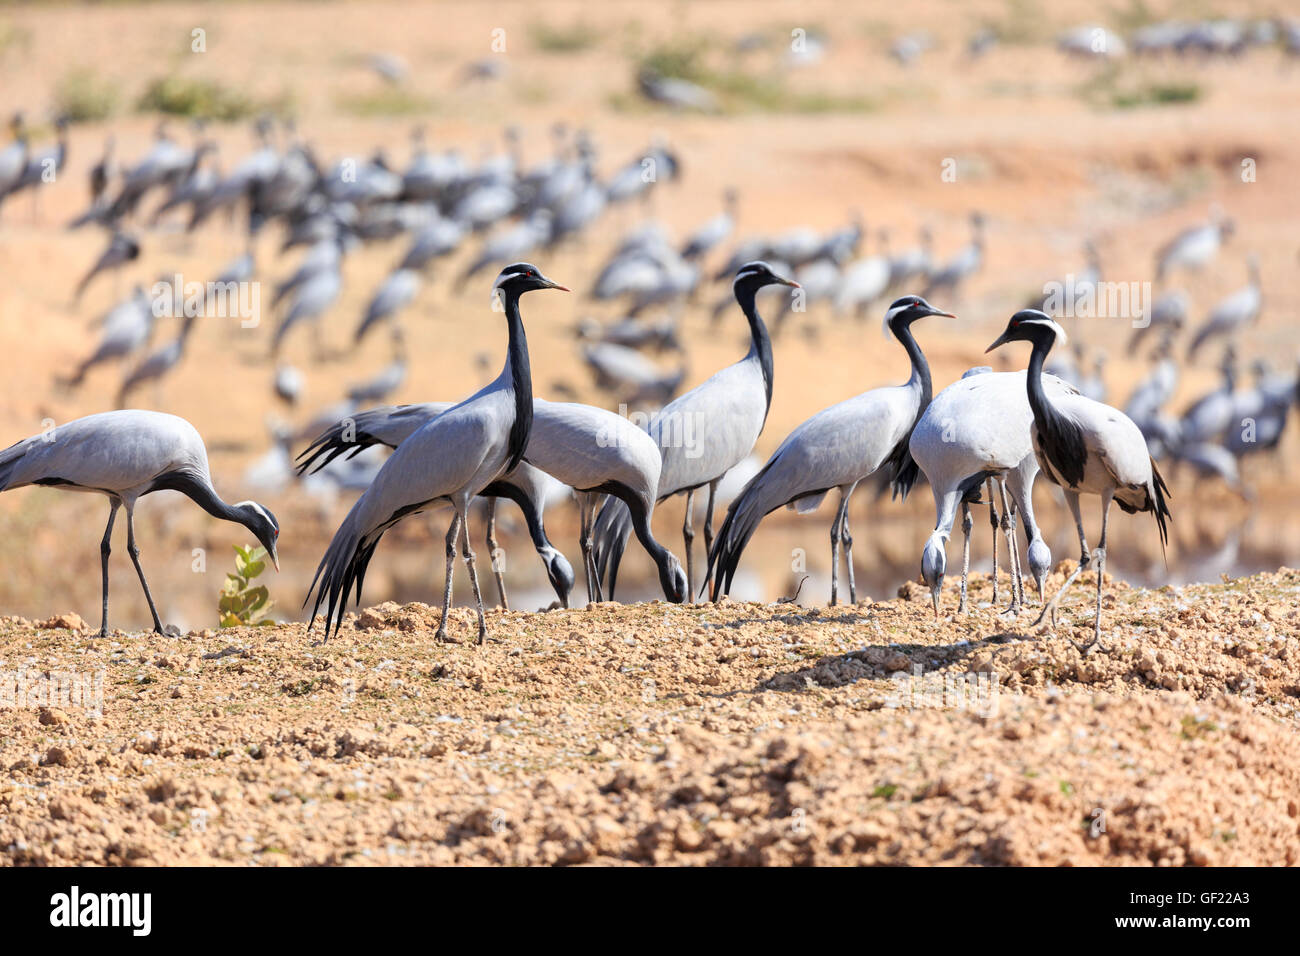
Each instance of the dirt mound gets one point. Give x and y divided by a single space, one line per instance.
731 734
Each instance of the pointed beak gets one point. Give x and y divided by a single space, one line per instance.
934 596
555 285
1000 340
791 283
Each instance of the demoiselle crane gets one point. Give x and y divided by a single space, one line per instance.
158 363
713 232
1194 247
391 425
835 449
43 166
975 430
1233 313
964 264
13 158
1086 448
126 327
121 249
594 451
394 294
705 433
451 458
126 455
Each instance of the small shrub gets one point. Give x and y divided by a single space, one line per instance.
242 603
83 97
393 101
554 39
199 99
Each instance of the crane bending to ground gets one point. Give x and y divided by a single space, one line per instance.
125 455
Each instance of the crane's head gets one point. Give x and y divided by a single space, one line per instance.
259 520
1040 562
904 311
560 573
934 562
753 276
672 578
1031 325
522 277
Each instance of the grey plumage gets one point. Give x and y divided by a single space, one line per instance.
452 458
704 433
834 450
125 455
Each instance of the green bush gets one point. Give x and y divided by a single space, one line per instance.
83 97
199 99
391 101
242 603
553 39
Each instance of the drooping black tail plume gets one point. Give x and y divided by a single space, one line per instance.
609 537
1161 508
343 566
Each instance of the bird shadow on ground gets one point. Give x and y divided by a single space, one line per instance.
806 618
880 662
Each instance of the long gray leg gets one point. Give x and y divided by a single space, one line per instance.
836 524
967 523
993 523
468 555
586 519
135 559
113 505
1013 560
688 536
708 533
452 532
1071 499
846 539
1100 556
494 550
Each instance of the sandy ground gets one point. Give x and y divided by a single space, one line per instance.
732 734
1036 150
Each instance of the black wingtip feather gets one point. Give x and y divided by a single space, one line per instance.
1161 508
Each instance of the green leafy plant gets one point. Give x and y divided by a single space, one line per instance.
83 97
243 603
560 39
202 99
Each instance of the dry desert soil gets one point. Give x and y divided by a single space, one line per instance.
737 733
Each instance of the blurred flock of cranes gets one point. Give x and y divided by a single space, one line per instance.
649 293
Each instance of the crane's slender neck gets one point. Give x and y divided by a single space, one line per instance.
199 490
1061 440
920 367
760 342
1038 401
521 381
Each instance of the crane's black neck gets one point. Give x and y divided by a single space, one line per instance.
904 469
920 367
200 491
521 382
760 341
1060 439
